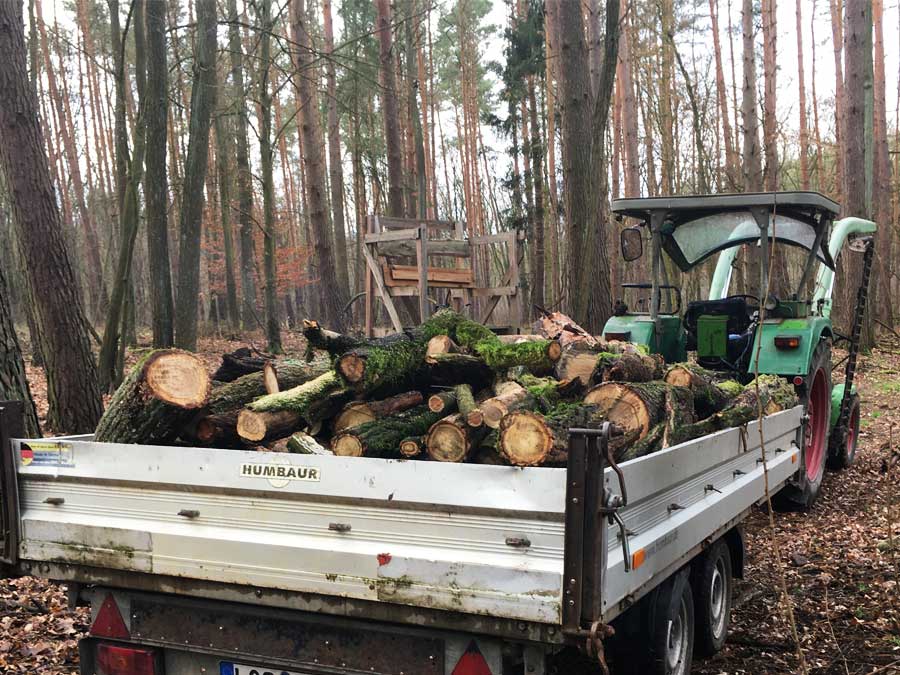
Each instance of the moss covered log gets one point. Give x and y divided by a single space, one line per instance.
711 391
360 412
441 400
299 398
327 340
628 367
548 393
382 437
156 400
304 444
238 393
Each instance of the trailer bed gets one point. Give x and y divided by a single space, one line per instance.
474 540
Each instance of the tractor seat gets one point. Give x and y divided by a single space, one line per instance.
736 309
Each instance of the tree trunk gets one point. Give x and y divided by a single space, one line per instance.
313 141
155 182
335 159
249 318
74 398
382 437
752 166
537 219
156 400
390 109
225 182
731 161
13 380
801 85
881 186
203 101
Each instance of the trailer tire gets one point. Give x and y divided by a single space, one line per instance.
843 450
816 397
712 582
667 617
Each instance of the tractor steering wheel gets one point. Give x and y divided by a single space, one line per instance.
743 295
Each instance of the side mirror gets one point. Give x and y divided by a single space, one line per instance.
631 242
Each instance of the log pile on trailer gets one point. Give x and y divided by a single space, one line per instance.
449 390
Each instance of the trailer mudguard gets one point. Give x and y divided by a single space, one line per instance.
775 361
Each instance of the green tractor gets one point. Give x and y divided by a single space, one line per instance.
743 334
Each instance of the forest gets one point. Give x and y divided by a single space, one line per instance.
204 167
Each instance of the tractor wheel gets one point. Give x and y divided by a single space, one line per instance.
816 397
843 450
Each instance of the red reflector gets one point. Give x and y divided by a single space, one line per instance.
472 662
798 380
109 621
787 341
115 660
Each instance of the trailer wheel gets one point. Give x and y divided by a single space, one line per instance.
668 620
712 582
843 450
816 396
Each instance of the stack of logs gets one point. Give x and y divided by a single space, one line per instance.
449 390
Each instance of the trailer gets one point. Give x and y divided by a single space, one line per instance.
201 560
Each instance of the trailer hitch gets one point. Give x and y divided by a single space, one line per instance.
591 508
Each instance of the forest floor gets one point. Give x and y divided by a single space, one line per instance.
840 569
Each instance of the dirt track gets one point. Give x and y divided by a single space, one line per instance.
841 571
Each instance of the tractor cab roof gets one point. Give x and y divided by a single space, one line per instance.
694 228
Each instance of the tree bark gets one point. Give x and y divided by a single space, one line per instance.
155 181
313 141
73 395
731 161
382 437
13 380
203 101
390 109
801 85
752 166
225 182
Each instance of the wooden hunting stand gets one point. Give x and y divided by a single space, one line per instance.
389 239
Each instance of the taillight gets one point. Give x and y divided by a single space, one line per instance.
472 662
116 660
787 341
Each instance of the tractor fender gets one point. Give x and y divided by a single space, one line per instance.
788 362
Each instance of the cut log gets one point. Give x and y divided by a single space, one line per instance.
382 437
262 427
333 343
772 394
711 392
298 399
270 378
495 409
238 363
440 401
578 360
366 369
518 339
465 399
558 326
548 392
360 412
412 446
157 399
528 438
628 368
238 393
304 444
439 344
218 430
630 406
451 369
452 439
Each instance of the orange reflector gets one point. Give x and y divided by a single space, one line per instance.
637 558
472 662
794 458
109 622
787 341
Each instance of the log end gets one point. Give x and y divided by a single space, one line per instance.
411 447
525 438
679 377
178 378
447 442
493 413
251 426
554 351
347 445
353 415
270 378
204 431
475 418
352 367
621 406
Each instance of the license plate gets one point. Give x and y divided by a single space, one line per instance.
226 668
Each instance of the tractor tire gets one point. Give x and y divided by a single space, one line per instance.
815 396
843 450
